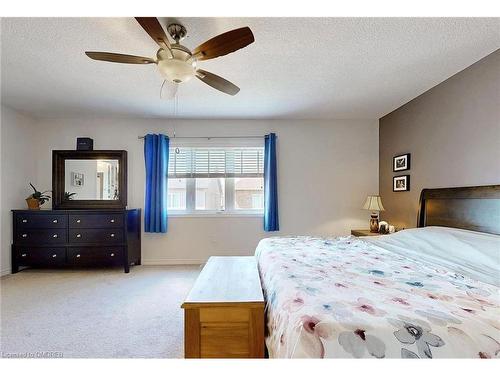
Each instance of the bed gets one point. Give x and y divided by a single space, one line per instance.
428 292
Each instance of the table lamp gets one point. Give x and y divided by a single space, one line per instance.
374 204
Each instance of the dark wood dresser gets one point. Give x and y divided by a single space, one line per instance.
52 238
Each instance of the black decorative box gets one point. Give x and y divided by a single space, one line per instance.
84 144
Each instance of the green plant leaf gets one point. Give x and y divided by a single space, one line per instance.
34 189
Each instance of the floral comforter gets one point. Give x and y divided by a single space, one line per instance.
343 297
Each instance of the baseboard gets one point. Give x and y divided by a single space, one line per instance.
147 262
171 262
5 272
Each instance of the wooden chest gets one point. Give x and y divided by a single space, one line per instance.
224 312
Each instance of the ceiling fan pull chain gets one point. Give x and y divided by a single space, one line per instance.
161 88
175 115
176 104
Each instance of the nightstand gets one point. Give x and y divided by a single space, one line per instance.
363 232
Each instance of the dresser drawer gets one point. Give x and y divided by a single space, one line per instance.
96 235
28 220
94 255
40 236
40 256
95 220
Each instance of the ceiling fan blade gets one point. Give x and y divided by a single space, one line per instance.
224 43
119 58
217 82
152 26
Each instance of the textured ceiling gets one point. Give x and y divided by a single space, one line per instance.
316 68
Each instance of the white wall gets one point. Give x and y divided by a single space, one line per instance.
325 171
18 168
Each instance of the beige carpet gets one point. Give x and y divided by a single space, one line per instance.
99 313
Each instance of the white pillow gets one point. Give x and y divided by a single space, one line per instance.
474 254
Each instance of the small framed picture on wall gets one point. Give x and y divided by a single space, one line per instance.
401 162
77 179
401 183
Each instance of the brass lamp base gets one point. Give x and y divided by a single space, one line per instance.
374 223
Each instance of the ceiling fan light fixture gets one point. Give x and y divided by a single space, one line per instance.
178 66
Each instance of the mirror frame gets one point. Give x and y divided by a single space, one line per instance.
59 158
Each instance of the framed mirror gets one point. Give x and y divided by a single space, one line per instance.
89 179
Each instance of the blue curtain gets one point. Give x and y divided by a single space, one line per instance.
155 207
271 222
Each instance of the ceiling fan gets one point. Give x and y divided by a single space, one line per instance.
178 64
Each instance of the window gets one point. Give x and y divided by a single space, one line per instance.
216 180
176 194
210 194
249 193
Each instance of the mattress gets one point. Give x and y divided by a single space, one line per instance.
399 296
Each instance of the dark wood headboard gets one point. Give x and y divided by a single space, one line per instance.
474 208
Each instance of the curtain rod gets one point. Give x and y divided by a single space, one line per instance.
217 137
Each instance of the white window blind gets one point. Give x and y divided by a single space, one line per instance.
203 162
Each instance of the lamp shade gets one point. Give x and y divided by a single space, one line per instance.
373 203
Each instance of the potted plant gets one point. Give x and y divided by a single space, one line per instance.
68 196
36 199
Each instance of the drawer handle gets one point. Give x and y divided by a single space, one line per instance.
78 255
25 220
23 255
54 236
78 221
78 235
112 234
54 221
112 254
112 221
54 255
24 235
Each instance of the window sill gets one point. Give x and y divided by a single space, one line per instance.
216 215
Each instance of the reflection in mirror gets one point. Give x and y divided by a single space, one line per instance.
91 179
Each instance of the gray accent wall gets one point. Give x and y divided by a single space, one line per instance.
453 134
